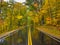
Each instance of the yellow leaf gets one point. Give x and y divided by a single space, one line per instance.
19 17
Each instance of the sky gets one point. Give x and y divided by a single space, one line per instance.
18 0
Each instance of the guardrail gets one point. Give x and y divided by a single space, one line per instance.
6 34
15 37
54 40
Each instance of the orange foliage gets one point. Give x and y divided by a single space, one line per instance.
1 22
36 5
48 18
